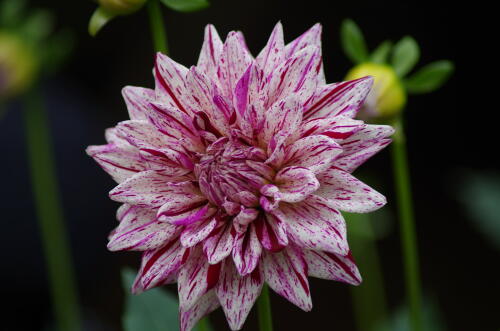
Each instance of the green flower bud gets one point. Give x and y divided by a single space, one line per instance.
387 97
121 7
18 65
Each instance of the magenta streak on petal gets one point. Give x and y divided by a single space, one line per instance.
300 276
184 210
167 88
305 71
208 125
192 218
170 117
345 86
116 165
342 265
261 225
156 256
213 273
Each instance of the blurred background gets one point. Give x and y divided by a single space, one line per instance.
453 168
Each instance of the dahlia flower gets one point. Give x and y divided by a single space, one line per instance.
233 173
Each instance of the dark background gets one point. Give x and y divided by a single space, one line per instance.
447 131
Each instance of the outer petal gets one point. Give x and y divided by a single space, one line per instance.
137 100
347 193
271 232
340 99
283 115
274 51
195 233
237 294
314 152
296 183
311 37
159 265
196 278
210 52
220 243
204 306
314 223
361 146
286 274
338 128
332 266
140 230
153 189
247 250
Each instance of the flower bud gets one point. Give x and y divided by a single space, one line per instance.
18 65
121 7
387 97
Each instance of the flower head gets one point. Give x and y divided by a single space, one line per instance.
233 173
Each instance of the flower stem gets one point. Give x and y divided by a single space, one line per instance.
203 324
49 214
407 225
157 27
264 310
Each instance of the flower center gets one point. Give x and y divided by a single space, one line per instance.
230 173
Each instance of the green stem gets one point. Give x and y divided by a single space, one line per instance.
157 27
264 310
203 324
369 300
49 214
407 225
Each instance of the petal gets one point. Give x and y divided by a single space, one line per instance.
196 278
347 193
140 230
338 128
331 266
219 243
271 232
211 52
137 100
297 75
296 183
314 152
311 37
286 274
237 294
195 233
361 146
315 224
339 99
190 215
247 250
283 115
154 189
160 264
204 306
234 62
274 51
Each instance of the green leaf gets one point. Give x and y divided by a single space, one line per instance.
38 25
11 12
405 56
186 6
153 310
353 41
429 78
99 18
381 53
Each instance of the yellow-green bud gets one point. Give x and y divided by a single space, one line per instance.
387 97
121 7
18 65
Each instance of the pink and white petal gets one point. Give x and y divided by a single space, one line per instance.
170 83
119 162
235 60
286 274
314 223
332 266
195 233
338 128
139 230
276 149
271 232
159 265
219 244
137 100
285 114
274 51
196 278
339 99
237 294
152 189
313 152
204 306
296 183
145 136
296 75
192 214
361 146
247 251
211 52
347 193
311 37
